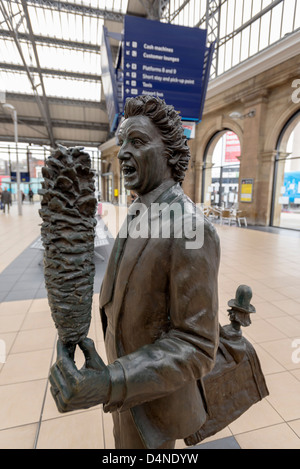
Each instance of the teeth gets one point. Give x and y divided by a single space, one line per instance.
128 170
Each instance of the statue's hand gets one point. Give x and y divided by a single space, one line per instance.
74 389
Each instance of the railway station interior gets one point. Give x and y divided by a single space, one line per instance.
244 174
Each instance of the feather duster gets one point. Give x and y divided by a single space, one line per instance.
68 229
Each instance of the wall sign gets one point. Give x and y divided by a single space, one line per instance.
24 176
246 190
166 61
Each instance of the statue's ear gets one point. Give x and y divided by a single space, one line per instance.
173 159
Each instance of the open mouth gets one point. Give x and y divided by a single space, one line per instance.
128 170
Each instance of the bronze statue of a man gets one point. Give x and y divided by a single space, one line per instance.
158 301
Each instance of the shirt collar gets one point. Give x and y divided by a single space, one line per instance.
150 197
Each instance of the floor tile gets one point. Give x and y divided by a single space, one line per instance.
11 323
27 366
18 437
261 331
290 306
37 320
15 307
33 339
277 437
39 305
268 363
81 431
279 281
284 395
282 351
296 373
295 426
290 291
260 415
8 339
288 325
23 403
267 310
20 295
269 294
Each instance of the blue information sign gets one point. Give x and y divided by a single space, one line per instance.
24 177
166 61
292 187
109 81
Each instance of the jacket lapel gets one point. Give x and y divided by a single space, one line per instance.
134 247
108 283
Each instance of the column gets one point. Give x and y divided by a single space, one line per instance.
256 210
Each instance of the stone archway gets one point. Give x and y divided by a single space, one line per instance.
220 173
272 139
205 137
282 201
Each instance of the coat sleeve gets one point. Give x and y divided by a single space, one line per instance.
187 351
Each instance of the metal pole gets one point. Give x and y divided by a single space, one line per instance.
15 119
98 172
18 167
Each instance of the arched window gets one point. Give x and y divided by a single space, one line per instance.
220 183
286 189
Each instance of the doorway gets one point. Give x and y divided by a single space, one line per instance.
220 177
285 211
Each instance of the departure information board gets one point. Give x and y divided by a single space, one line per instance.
167 61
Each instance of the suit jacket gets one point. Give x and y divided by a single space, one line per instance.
6 197
159 310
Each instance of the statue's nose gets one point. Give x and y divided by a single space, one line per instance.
124 153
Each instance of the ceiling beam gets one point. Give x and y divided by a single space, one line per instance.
45 141
101 105
51 72
53 41
59 123
179 9
79 8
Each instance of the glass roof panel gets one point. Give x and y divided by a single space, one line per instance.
113 5
65 25
69 59
8 52
73 89
15 82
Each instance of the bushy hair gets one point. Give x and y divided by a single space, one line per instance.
168 122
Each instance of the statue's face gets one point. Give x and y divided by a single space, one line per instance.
142 155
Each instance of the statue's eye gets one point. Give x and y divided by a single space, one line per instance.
136 142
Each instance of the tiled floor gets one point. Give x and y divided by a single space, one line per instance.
268 262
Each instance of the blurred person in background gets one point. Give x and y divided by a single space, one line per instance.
6 199
30 194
